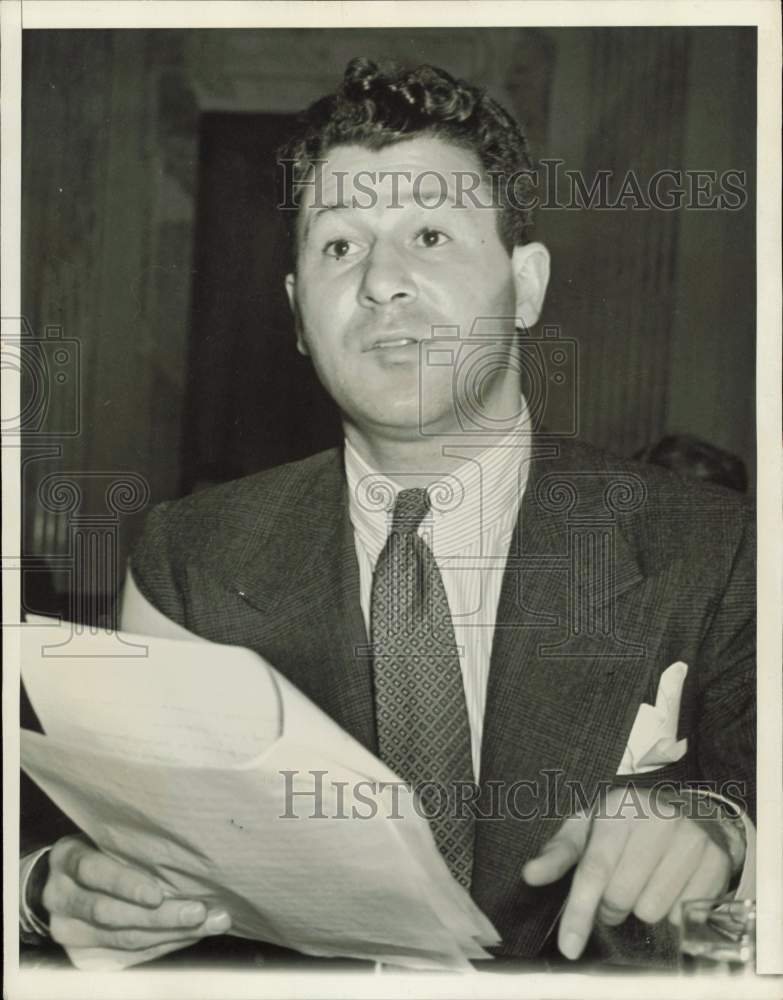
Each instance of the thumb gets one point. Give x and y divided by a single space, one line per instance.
559 853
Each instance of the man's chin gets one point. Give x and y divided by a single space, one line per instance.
405 423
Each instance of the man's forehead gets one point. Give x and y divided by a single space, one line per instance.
423 166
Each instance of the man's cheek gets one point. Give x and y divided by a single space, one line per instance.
329 310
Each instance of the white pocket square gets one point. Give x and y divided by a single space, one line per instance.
653 741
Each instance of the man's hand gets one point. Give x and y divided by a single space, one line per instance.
638 857
95 901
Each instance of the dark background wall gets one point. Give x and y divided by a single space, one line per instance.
149 237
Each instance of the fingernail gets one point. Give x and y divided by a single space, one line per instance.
571 945
218 922
192 913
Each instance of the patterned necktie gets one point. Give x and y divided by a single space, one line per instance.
422 718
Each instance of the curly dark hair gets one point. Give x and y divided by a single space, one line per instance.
377 106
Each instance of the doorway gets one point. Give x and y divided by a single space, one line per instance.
252 401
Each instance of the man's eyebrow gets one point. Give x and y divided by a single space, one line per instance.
312 216
336 207
428 193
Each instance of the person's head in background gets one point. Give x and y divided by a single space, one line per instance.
693 457
412 194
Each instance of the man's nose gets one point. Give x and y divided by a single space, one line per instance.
386 277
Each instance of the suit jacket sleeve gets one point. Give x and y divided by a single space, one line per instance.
154 571
726 737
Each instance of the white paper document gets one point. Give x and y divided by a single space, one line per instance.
203 765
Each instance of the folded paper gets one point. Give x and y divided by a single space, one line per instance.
203 765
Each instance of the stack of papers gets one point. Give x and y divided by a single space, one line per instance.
203 765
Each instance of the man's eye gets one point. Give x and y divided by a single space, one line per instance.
431 238
340 248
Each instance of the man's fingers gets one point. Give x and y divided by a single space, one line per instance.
690 852
555 859
559 854
644 847
91 869
591 878
97 902
106 911
709 881
73 933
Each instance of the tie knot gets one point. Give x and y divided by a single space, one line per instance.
409 510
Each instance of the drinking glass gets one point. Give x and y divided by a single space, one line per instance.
719 936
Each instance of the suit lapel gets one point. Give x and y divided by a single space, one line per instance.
307 589
548 725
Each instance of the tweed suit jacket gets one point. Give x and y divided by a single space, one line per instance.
615 571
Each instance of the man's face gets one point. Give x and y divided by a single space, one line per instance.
379 268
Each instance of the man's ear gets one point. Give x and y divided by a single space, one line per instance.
290 290
530 265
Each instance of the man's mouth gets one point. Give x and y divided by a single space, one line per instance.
384 344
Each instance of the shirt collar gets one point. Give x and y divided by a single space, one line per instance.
485 489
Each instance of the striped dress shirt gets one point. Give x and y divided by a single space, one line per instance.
468 529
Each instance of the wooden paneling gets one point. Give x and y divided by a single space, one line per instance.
712 381
661 305
615 269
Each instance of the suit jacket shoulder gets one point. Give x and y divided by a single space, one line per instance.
662 515
271 512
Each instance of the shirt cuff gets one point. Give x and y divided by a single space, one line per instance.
746 887
32 928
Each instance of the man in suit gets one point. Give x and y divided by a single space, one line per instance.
478 602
